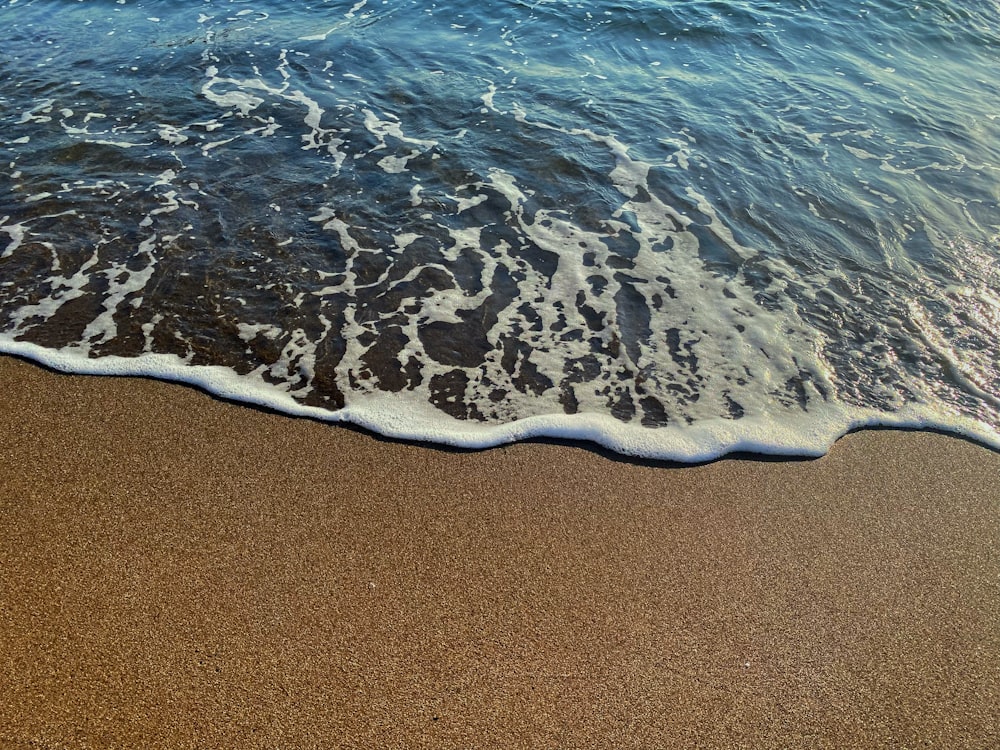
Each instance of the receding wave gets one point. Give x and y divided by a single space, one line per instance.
677 229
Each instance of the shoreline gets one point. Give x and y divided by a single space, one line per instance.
186 572
423 425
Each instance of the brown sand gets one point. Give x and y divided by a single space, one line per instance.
179 572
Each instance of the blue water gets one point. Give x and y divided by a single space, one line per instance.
674 228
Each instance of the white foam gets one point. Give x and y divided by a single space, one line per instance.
322 36
122 282
62 290
399 416
16 234
172 134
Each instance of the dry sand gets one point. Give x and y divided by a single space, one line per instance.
178 572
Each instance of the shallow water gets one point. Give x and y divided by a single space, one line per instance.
675 228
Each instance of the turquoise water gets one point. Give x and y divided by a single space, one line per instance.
674 228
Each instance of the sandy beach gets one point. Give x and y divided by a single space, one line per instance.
179 572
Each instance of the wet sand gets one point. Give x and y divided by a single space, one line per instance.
179 572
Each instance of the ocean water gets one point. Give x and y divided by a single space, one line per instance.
675 228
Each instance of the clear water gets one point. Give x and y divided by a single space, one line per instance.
674 228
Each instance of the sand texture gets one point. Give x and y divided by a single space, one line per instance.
179 572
